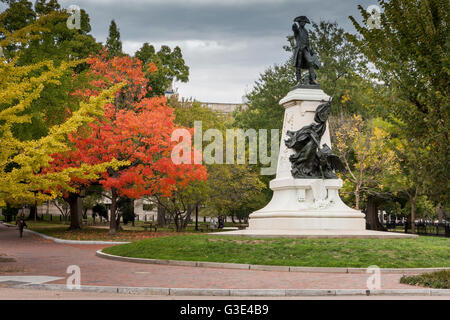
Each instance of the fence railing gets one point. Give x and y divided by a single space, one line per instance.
424 228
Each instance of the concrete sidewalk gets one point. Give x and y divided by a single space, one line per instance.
36 256
35 294
236 292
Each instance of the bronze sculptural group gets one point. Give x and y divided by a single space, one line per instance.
310 160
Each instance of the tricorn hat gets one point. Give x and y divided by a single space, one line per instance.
302 19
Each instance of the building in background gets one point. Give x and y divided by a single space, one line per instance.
224 109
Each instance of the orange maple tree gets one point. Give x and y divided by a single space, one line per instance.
133 129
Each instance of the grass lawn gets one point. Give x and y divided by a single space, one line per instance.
438 280
100 232
385 253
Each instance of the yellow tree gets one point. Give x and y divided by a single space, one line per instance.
21 162
370 161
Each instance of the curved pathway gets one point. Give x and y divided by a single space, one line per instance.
39 257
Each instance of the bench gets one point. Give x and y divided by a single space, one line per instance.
150 226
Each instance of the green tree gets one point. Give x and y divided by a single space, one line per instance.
234 190
55 42
263 110
372 165
125 207
410 53
113 42
100 210
18 15
407 183
170 67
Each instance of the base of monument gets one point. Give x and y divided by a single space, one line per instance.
313 220
316 234
306 204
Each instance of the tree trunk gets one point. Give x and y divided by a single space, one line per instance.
112 219
118 216
33 213
132 208
413 213
161 218
440 212
76 211
372 215
357 198
187 217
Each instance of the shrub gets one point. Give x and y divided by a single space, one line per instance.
100 210
126 208
438 280
10 213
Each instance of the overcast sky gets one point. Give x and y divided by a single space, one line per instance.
226 44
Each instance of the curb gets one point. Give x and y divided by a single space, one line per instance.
65 241
239 292
221 265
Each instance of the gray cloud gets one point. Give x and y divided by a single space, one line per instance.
177 20
226 43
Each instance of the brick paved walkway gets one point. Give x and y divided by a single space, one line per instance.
36 256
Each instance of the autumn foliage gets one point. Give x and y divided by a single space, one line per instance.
133 129
23 162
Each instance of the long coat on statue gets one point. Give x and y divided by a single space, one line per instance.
303 56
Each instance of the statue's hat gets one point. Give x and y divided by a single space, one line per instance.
302 19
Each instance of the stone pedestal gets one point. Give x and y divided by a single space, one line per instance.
306 208
304 204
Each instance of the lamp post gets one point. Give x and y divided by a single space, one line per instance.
196 217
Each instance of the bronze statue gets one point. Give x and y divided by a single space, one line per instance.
304 57
310 161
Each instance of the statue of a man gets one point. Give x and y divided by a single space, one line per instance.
304 57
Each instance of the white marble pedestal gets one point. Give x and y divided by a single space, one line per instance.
312 204
304 204
305 207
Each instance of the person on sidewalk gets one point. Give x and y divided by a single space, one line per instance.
20 223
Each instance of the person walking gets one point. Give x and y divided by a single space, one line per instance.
20 223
